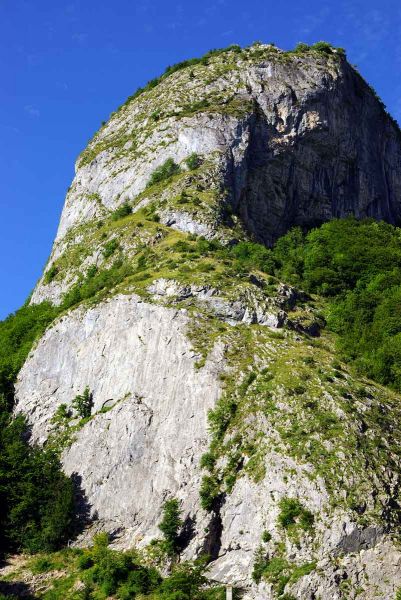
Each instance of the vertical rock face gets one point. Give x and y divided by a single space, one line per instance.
301 139
162 331
150 406
330 152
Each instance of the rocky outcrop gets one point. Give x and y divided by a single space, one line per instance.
289 139
163 331
148 428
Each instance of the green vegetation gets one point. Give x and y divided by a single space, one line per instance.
98 573
266 537
193 161
98 284
170 525
50 274
278 571
293 515
122 211
203 60
165 171
110 247
82 404
37 499
35 496
356 265
323 47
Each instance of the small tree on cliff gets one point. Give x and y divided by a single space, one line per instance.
83 403
171 524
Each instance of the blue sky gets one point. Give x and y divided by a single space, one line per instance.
65 66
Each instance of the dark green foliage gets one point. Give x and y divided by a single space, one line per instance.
110 247
185 583
50 274
209 492
248 380
107 572
193 161
36 498
122 211
300 48
62 414
249 256
259 564
17 334
165 171
113 572
293 513
220 417
171 524
357 265
266 537
208 461
91 272
324 47
83 403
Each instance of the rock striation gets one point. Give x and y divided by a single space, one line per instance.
163 329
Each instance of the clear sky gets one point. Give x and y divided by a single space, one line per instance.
65 66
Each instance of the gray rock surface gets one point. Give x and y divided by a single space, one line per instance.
136 358
316 144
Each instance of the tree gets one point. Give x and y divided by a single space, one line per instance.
36 498
170 525
83 403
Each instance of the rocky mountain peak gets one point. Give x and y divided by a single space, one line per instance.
211 379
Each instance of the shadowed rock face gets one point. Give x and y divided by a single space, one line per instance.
309 157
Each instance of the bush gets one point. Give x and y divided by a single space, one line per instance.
301 48
323 47
220 417
266 537
259 564
122 211
209 492
170 525
109 248
293 513
193 161
50 274
208 461
249 256
107 572
165 171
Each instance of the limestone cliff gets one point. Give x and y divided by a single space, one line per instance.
162 329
